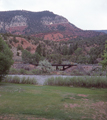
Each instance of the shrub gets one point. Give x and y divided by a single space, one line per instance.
45 66
13 71
22 71
36 72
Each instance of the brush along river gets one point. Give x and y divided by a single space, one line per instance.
40 78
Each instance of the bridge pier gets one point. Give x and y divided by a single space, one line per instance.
56 67
63 68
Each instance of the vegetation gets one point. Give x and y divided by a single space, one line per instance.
79 50
104 62
27 57
51 102
88 82
85 51
5 59
25 72
18 80
45 66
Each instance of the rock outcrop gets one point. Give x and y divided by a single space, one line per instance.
35 23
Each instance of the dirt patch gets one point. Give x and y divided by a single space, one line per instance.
13 117
82 95
8 118
87 68
74 105
100 110
25 44
72 98
86 100
54 36
71 105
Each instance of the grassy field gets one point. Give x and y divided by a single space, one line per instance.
32 102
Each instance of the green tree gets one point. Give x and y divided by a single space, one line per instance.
104 61
71 50
65 50
5 59
55 58
94 53
39 49
26 56
35 58
78 52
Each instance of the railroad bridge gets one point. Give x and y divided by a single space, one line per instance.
64 66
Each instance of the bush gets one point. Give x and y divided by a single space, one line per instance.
22 71
45 66
36 72
13 71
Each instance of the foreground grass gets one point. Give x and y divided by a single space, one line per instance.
25 102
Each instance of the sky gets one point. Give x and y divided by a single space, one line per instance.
85 14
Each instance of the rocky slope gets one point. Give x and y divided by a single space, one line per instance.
46 25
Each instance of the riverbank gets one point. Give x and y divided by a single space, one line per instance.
40 78
79 70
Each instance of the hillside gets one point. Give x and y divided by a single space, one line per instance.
45 35
83 51
45 25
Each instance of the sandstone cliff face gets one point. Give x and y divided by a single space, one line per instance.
25 22
17 25
16 21
34 23
55 20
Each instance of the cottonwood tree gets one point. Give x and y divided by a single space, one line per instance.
5 59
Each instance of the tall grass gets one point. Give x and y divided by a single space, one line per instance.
19 80
97 82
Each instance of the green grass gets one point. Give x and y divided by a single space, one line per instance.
22 101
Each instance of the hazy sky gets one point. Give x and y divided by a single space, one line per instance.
85 14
